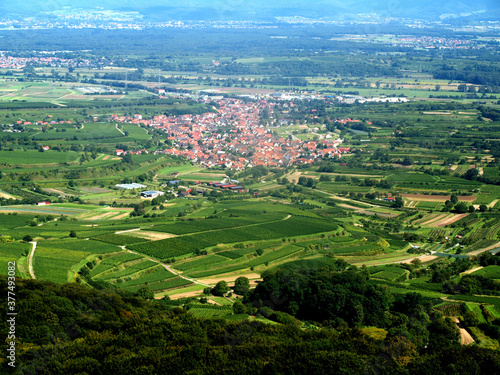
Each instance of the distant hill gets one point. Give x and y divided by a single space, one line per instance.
262 10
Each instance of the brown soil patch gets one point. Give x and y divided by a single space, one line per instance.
60 192
253 277
153 236
122 216
437 113
431 198
101 216
183 295
449 220
423 259
465 337
94 190
74 96
294 177
106 157
6 196
437 218
453 167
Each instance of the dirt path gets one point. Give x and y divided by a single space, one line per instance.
492 204
117 128
168 268
30 260
127 231
471 271
476 252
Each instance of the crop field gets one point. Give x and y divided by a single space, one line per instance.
157 274
129 268
389 273
53 264
118 239
159 286
31 157
269 256
295 226
210 311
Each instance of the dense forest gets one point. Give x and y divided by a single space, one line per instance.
72 329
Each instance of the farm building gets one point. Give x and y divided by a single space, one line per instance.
151 194
130 186
44 203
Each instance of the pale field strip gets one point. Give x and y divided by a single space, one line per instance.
438 218
6 196
471 271
449 220
432 198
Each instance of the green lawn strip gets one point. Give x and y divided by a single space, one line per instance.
495 301
482 340
493 310
474 307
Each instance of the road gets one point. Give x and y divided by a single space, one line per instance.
30 260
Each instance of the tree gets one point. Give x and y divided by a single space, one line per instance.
483 208
27 238
220 288
471 174
145 293
461 208
239 308
241 286
72 233
398 203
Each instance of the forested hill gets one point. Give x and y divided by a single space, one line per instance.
72 329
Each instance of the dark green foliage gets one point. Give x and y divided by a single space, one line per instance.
241 286
70 329
220 289
323 295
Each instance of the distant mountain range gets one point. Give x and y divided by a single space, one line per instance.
156 10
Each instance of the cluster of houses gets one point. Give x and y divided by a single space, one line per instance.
234 138
21 62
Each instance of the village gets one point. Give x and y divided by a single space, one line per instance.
234 138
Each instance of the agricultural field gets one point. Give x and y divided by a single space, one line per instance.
416 191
